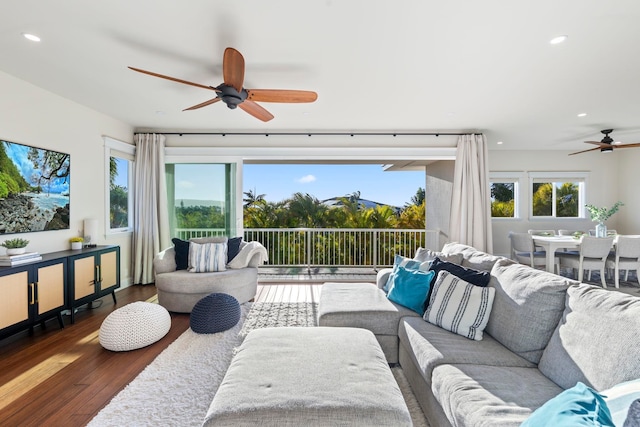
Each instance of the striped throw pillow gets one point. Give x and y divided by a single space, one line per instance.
207 257
459 307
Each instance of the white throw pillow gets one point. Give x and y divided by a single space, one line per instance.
459 306
207 257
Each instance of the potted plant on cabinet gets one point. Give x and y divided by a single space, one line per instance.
15 246
76 242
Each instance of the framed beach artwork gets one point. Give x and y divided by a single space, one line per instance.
34 189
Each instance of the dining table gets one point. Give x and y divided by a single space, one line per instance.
552 243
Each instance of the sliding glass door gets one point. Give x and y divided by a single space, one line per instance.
202 199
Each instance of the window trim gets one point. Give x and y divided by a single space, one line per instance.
580 177
518 178
122 150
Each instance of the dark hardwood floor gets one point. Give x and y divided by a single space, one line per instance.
63 377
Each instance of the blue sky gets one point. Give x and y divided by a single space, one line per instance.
278 182
18 153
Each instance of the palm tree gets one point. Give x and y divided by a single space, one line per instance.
307 210
417 199
252 199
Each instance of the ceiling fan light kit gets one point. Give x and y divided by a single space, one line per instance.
606 145
234 95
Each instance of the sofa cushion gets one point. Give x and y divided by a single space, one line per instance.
207 257
597 340
527 307
211 239
431 346
360 305
181 248
409 288
424 255
623 401
471 256
577 406
481 395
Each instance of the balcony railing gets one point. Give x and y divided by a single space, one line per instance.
329 247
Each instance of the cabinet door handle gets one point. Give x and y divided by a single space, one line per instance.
32 286
98 274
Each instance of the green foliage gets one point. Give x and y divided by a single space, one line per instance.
504 209
199 217
52 165
502 191
119 207
603 214
542 199
15 243
567 201
11 181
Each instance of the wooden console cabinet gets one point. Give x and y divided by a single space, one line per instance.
33 293
93 274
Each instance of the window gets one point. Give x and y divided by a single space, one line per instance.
201 199
560 195
505 194
119 168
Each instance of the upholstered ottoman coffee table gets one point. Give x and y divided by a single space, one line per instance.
315 376
363 305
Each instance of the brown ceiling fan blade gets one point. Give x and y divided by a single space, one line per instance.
256 110
600 143
233 68
173 79
277 95
625 145
585 151
203 104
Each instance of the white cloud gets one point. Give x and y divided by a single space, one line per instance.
306 179
185 184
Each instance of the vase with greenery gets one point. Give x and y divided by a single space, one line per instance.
15 246
600 215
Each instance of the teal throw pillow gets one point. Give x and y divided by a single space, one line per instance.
408 263
409 288
574 407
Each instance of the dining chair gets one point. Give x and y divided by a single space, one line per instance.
523 250
625 257
541 233
592 255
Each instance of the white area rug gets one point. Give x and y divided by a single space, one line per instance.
178 386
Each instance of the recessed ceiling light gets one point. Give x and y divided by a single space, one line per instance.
582 115
499 142
558 39
31 37
160 113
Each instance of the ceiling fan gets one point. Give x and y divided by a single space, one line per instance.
234 95
606 145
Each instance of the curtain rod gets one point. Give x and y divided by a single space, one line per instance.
318 133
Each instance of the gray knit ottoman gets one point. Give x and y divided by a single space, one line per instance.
316 376
363 305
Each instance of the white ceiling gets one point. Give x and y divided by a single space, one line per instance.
377 66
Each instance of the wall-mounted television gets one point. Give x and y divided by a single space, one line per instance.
34 189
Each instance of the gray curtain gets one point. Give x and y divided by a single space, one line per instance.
150 216
471 199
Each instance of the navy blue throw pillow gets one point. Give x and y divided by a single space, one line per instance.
475 277
182 253
233 248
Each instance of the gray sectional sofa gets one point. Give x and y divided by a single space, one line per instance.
545 333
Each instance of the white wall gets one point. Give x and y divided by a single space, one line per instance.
32 116
603 189
628 179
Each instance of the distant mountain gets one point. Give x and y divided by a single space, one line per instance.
336 201
196 202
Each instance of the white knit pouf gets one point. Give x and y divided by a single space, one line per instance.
134 326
